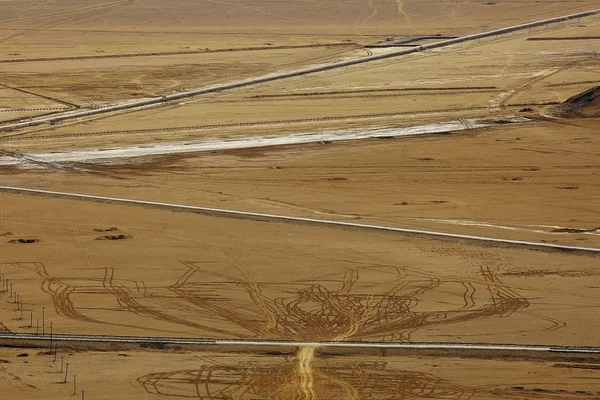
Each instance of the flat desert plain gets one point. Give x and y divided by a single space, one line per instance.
299 200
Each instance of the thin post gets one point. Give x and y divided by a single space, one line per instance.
21 310
53 361
30 319
11 290
83 395
51 323
43 320
62 363
74 385
37 326
66 373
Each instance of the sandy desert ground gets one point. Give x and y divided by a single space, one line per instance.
469 139
180 274
173 374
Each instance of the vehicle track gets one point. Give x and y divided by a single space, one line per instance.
114 3
87 12
337 308
402 12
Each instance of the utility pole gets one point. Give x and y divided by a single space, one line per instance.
83 395
66 373
62 363
43 320
74 385
30 319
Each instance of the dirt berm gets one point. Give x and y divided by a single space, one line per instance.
586 104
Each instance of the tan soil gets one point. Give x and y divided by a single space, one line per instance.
107 268
162 375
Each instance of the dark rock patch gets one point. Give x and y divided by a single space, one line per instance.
112 229
23 241
114 237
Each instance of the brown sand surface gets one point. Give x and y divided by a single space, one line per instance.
206 375
505 75
90 81
531 181
182 274
251 16
107 268
162 50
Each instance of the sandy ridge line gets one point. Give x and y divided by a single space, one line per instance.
262 217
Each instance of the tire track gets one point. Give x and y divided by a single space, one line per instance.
402 12
68 11
370 16
529 84
88 12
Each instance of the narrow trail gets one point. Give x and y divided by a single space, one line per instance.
402 12
115 3
370 16
306 378
457 8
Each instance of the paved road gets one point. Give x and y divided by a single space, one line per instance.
288 74
300 220
7 337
